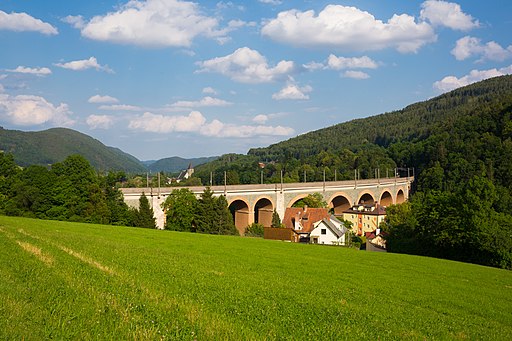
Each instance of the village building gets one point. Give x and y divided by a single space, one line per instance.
365 218
309 225
329 231
186 173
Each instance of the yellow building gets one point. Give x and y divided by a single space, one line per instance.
365 218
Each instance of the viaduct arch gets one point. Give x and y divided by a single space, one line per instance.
256 203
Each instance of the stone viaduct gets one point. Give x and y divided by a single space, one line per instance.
256 203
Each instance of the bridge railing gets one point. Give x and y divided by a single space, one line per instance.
152 191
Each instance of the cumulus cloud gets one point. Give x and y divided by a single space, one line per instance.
263 118
157 123
195 122
271 2
102 99
121 107
84 64
204 102
22 22
451 82
247 66
343 27
356 74
219 129
99 121
467 47
43 71
27 110
152 23
293 92
209 90
339 63
448 14
77 21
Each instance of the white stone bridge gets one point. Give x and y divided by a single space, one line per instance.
255 203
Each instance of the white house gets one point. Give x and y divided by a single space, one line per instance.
329 231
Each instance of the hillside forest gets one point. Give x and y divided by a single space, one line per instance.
459 145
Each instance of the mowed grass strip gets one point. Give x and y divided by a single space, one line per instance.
169 285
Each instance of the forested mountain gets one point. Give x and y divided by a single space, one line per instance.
413 123
177 164
54 145
415 136
460 145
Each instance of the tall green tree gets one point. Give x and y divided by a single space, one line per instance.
180 209
144 216
213 215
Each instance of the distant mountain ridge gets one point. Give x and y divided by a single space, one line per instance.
54 145
176 164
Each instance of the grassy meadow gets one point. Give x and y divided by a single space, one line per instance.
77 281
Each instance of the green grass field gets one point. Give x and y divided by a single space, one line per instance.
77 281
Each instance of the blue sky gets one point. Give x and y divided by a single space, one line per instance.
161 78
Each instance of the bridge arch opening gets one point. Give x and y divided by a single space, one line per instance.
386 199
240 211
339 204
400 197
263 210
296 199
366 199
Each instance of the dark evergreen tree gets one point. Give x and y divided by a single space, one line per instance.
276 221
144 216
223 219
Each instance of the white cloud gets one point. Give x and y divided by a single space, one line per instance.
99 121
293 92
166 124
356 74
312 66
77 21
120 107
271 2
209 90
84 64
261 119
43 71
28 110
343 27
153 23
449 14
195 122
467 47
247 66
219 129
102 99
339 63
204 102
451 82
22 22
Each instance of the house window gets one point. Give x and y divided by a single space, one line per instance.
323 231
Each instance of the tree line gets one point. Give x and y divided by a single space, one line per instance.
70 190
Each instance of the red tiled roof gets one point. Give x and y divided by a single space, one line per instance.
306 217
